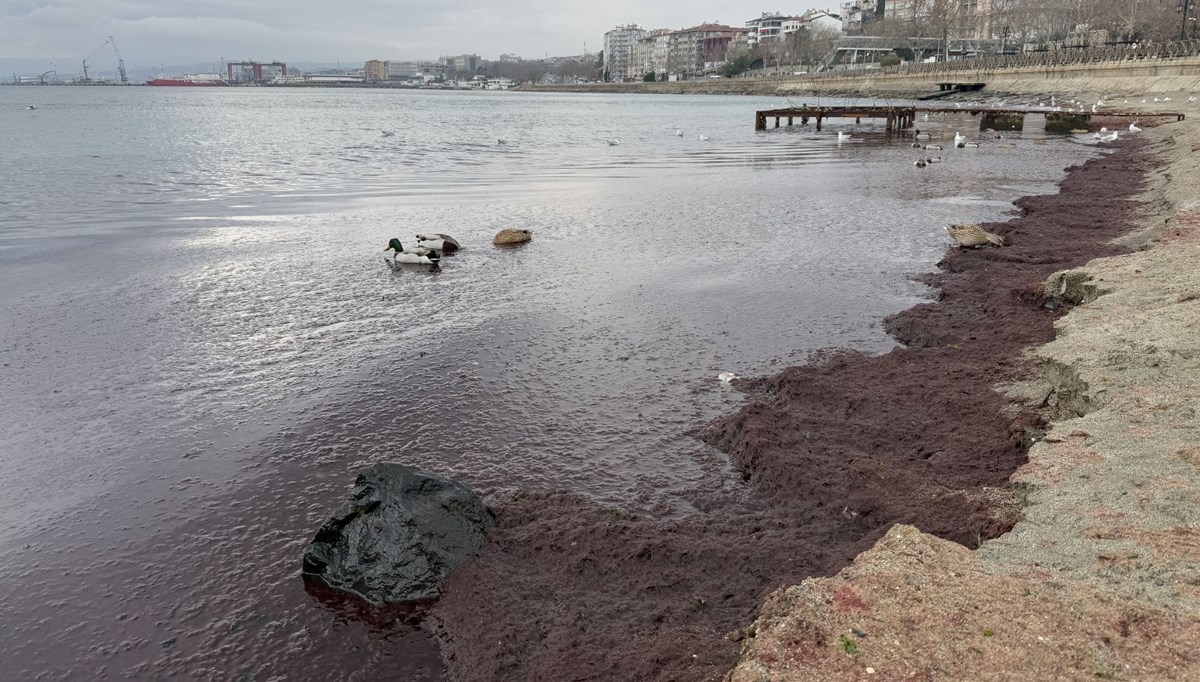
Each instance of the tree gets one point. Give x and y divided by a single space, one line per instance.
737 66
648 78
892 59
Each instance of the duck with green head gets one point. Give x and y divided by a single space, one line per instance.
413 255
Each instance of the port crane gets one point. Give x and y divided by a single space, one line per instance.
120 61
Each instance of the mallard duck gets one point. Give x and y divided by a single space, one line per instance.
440 242
934 147
973 236
512 236
395 245
417 255
920 163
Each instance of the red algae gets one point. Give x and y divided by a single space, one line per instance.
833 453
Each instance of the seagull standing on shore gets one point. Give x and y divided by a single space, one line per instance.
1133 128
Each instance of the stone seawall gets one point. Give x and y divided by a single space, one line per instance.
1133 78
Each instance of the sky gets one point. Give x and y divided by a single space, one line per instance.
151 32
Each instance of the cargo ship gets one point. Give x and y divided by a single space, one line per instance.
191 80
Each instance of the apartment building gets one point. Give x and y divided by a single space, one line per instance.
619 44
375 71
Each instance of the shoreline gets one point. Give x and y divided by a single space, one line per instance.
835 453
1104 559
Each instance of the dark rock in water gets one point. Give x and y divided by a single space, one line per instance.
398 536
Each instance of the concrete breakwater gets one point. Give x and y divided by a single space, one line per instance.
1167 76
1099 580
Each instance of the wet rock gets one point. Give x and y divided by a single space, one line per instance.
398 536
512 236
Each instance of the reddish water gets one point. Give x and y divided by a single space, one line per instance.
196 363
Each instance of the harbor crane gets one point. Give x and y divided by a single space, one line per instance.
120 61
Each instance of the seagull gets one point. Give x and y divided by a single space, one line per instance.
1134 129
726 377
388 133
1166 99
1192 99
926 116
959 140
31 107
614 142
1104 129
678 133
1112 137
705 138
842 137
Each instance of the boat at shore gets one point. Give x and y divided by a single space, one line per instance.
191 80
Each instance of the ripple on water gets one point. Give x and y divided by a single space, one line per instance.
199 381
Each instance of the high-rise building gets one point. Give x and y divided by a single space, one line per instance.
375 71
619 45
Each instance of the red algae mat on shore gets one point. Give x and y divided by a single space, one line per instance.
833 455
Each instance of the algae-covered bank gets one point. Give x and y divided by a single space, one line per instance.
1100 579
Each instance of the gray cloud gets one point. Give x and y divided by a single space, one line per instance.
176 31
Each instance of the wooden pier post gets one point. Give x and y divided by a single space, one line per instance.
776 121
819 117
760 121
789 121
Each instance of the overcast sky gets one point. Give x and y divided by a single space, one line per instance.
150 32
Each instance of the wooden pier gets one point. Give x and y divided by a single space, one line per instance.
903 117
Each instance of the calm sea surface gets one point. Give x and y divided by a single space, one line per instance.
200 343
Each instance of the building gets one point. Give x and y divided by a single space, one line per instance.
619 44
858 15
690 49
766 27
650 53
375 71
463 63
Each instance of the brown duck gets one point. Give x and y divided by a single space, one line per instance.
973 236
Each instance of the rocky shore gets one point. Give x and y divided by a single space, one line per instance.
903 460
1099 579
